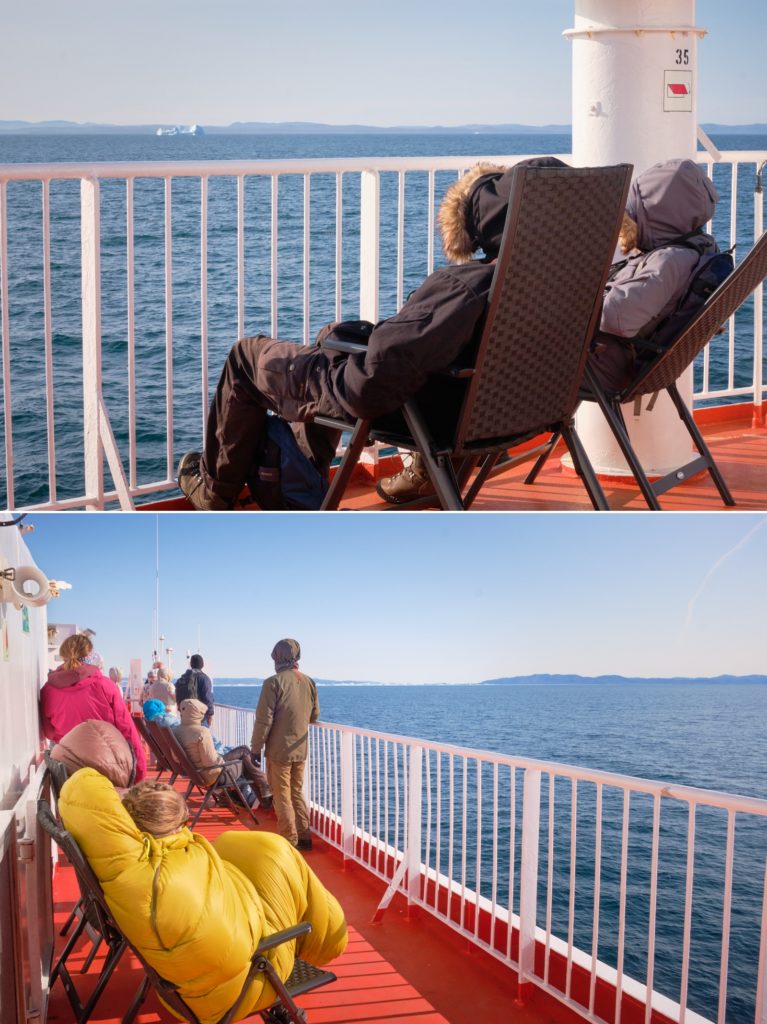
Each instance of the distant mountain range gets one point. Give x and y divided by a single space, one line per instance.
315 128
541 679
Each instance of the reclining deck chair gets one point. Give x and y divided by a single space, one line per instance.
303 978
95 916
559 240
161 762
662 371
226 783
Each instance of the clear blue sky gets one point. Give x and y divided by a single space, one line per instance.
402 62
419 598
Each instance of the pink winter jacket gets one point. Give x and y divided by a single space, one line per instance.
79 694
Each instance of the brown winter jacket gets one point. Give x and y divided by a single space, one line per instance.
99 745
288 703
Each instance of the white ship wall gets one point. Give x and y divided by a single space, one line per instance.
23 669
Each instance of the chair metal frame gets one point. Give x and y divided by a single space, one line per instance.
661 374
561 230
95 916
161 762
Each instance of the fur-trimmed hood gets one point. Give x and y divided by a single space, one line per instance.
473 212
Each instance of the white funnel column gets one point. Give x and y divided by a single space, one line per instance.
634 68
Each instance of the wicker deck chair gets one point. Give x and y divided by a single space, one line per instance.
560 235
225 786
662 372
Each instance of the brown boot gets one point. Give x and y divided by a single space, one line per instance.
194 487
410 483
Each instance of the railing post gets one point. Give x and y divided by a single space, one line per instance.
347 794
528 880
414 843
760 1017
758 418
91 310
370 221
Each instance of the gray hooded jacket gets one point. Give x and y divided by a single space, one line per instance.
667 201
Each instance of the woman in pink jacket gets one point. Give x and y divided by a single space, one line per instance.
77 692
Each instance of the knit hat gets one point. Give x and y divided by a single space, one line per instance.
285 654
152 709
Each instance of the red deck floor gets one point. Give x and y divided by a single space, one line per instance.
401 971
739 449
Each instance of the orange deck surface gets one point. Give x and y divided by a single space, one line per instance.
739 449
401 971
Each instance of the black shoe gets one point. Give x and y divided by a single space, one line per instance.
194 487
304 843
410 483
266 803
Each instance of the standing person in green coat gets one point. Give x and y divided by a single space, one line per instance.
288 703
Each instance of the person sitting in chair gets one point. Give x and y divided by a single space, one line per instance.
196 911
438 323
199 748
662 240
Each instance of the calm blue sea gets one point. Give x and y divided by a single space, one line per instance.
707 735
24 273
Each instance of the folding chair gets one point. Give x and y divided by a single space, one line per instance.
96 917
661 372
161 762
561 230
303 978
225 785
161 738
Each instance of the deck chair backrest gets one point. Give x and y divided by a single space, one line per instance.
170 747
559 242
96 907
718 308
144 732
57 772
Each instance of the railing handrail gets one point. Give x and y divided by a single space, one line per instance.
235 168
310 165
688 794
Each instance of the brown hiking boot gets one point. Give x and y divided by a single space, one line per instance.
194 487
410 483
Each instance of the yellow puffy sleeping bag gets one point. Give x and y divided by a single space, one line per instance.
196 912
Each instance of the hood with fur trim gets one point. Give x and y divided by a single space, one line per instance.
668 200
473 212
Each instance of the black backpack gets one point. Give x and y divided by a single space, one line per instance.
282 477
189 683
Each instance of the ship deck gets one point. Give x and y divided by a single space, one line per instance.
407 969
739 448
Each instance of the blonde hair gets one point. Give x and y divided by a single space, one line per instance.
75 650
156 808
628 235
457 243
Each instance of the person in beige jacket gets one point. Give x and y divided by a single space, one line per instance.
288 703
198 743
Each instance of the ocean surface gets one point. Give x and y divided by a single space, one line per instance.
705 735
25 319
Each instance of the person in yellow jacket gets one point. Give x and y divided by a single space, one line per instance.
196 911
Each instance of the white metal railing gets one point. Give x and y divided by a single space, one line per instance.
123 285
585 883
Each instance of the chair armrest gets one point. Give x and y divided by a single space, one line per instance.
284 936
337 345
